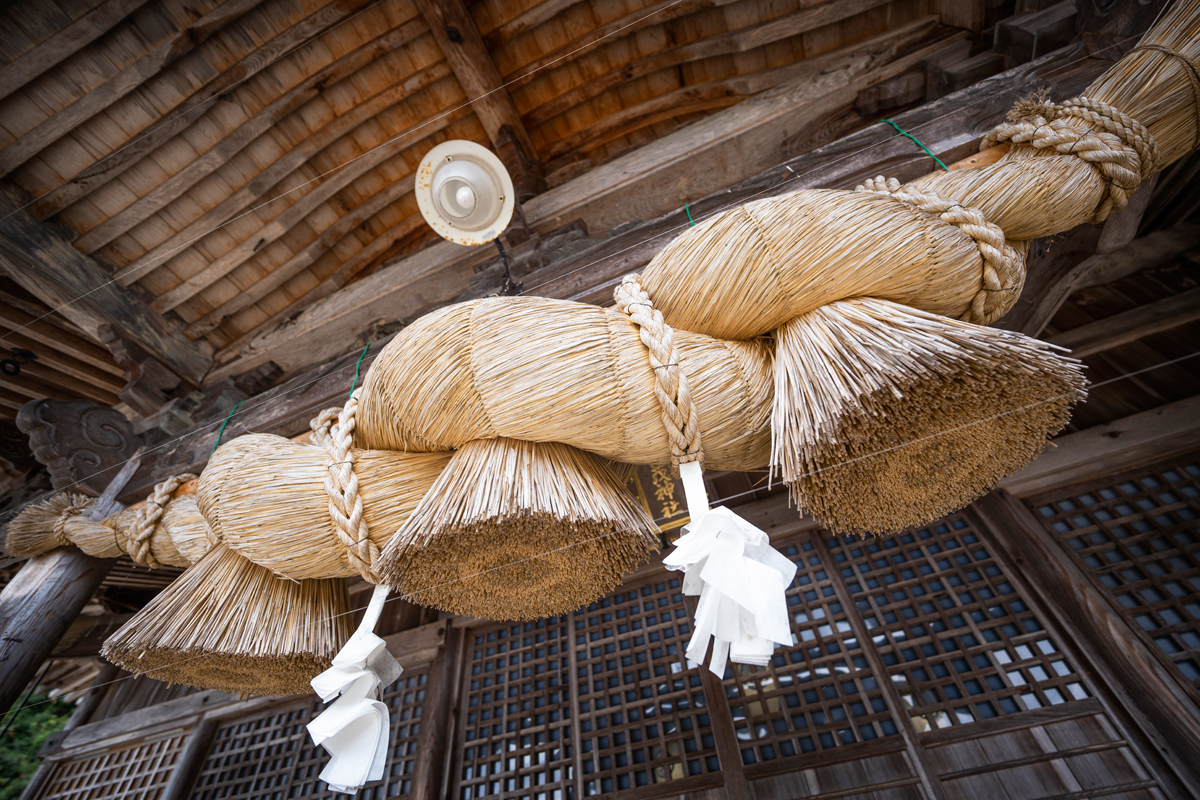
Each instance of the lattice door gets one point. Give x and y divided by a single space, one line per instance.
1140 540
957 640
270 756
137 772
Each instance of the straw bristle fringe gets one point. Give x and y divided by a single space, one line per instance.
41 527
229 624
518 530
887 417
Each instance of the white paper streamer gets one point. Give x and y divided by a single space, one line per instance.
742 582
355 728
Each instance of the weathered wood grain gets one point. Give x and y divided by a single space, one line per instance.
43 262
64 43
1105 334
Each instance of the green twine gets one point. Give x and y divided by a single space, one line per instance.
689 213
919 144
223 424
361 356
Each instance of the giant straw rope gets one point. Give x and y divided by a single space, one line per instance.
838 337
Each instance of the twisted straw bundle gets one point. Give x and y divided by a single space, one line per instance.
889 417
229 624
518 530
554 371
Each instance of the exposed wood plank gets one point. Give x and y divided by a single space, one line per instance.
293 159
739 41
64 43
230 145
1159 706
42 261
64 121
41 371
191 761
951 127
712 153
435 727
51 336
455 31
527 20
37 607
61 361
324 189
969 14
140 144
84 637
1143 438
1129 326
302 259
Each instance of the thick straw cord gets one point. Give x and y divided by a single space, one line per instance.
1003 265
670 384
341 485
147 520
1123 150
1190 69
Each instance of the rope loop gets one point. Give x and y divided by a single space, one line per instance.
341 486
1119 147
148 517
670 384
1003 272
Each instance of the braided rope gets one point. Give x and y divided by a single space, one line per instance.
1123 151
670 384
341 485
1003 272
1191 70
147 520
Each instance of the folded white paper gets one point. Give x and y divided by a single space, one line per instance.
355 728
741 580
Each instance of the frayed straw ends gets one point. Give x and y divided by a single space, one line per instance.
54 522
518 530
229 624
887 417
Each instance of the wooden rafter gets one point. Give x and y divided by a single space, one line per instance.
455 31
64 43
44 263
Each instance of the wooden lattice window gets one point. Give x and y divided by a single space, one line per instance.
817 694
959 643
272 756
517 715
643 716
1140 540
138 772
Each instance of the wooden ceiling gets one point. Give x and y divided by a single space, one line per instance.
233 162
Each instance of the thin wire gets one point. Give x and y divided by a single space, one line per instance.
383 144
716 504
166 120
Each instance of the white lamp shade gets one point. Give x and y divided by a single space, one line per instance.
464 192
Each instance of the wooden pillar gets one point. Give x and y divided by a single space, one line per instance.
737 787
1145 697
438 718
36 609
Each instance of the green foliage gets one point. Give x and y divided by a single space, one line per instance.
19 746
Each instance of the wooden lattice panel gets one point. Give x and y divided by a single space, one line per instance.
139 772
816 695
959 643
1140 540
643 716
517 735
272 755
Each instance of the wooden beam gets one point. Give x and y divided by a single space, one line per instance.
1129 326
1161 708
437 715
84 637
37 607
43 262
131 77
454 29
1144 438
64 43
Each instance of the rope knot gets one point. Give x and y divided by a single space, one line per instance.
1121 149
145 523
1003 265
341 486
670 384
